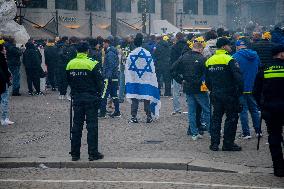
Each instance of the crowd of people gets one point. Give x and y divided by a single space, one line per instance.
220 73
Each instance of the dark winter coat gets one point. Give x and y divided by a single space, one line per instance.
263 49
111 64
189 69
51 56
65 54
13 55
31 58
96 54
223 77
150 46
162 55
85 79
4 73
278 36
269 91
176 50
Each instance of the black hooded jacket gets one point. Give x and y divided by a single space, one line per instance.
190 69
31 58
4 73
162 55
269 91
13 55
263 49
177 49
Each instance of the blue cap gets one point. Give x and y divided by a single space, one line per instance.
240 43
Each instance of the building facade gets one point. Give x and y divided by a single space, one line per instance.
261 12
92 17
85 18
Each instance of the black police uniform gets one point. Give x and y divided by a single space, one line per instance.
224 80
269 93
86 84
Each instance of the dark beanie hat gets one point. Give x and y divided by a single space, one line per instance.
83 47
277 49
138 40
222 42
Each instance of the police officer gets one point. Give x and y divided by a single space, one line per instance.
269 94
224 81
86 85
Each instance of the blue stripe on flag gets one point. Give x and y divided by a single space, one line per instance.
142 89
153 108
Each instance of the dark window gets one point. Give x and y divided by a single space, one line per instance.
123 5
37 4
190 6
95 5
150 6
66 4
210 7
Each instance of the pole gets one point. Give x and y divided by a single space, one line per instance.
71 117
181 19
21 20
56 20
259 132
91 24
113 18
149 23
144 16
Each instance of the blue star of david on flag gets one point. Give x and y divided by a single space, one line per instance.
133 66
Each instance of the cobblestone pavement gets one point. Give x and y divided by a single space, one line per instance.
123 178
42 131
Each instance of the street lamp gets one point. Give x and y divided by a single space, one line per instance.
21 4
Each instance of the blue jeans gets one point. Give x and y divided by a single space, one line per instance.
250 105
15 70
5 104
121 82
176 95
192 101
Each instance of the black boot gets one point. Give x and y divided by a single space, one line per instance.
233 147
279 168
96 156
214 147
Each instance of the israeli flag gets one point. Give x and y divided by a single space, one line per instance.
140 79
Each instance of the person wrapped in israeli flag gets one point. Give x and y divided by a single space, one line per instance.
141 81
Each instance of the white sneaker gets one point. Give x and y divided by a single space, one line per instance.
68 97
246 137
61 97
195 137
258 134
3 122
6 122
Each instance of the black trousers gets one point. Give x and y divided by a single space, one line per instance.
62 80
135 105
51 75
231 109
33 79
85 111
165 74
275 122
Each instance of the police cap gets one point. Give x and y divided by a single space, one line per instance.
83 47
222 42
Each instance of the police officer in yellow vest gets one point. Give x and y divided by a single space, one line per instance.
224 80
269 94
86 84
